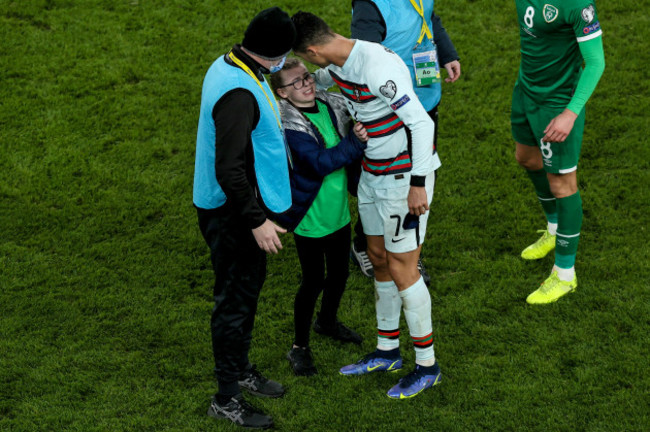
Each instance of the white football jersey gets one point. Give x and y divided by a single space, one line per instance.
379 93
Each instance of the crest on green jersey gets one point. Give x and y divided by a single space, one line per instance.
550 13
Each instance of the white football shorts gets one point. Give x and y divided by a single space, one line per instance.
383 209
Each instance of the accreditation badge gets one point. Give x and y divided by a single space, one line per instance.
425 62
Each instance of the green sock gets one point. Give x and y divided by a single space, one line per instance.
569 211
544 194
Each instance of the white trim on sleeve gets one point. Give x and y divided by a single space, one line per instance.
589 37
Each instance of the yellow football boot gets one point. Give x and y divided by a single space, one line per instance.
541 247
552 289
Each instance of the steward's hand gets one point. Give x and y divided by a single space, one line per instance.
453 70
267 236
560 127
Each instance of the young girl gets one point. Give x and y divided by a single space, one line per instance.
326 164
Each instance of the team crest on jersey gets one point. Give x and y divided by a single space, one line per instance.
389 89
588 14
550 13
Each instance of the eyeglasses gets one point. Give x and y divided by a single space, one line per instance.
301 82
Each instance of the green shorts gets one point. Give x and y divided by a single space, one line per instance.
528 121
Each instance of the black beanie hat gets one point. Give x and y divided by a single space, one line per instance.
270 34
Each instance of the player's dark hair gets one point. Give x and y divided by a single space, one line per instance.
311 30
276 79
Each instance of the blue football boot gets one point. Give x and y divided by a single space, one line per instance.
376 361
420 379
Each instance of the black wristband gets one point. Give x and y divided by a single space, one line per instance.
417 181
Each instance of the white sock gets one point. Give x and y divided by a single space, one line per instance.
388 306
416 302
566 275
552 228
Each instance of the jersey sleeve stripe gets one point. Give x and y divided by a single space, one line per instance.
589 37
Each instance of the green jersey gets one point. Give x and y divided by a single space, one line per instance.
329 212
551 62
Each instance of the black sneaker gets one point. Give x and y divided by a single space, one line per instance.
256 384
360 258
301 361
240 412
339 332
423 272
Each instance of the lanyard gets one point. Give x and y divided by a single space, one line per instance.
252 75
268 99
425 28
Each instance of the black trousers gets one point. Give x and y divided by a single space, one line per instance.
240 269
331 252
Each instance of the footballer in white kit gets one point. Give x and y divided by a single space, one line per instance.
379 92
394 192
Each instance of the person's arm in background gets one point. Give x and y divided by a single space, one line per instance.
367 23
447 55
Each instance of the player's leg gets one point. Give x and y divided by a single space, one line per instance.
529 157
388 303
561 162
377 255
416 302
403 244
569 203
403 269
388 307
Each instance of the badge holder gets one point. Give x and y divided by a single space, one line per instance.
425 63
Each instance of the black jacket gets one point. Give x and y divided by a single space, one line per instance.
312 161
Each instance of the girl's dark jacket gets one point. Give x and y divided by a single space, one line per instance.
311 160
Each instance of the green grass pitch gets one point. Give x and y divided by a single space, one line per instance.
105 283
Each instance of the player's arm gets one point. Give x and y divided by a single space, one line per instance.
367 23
560 126
403 101
422 129
594 57
590 42
323 79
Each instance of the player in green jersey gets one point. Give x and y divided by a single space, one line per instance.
547 120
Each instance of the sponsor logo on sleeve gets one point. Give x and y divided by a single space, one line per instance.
591 28
550 13
588 14
400 102
389 89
